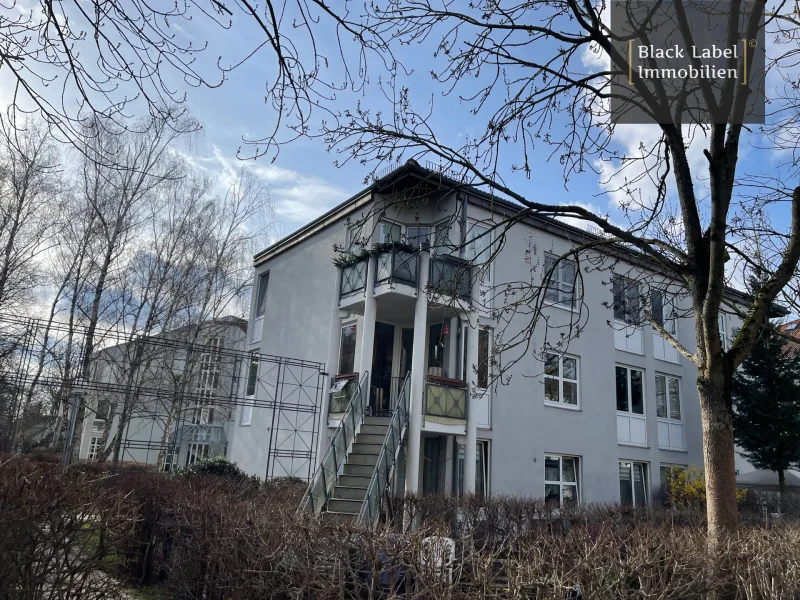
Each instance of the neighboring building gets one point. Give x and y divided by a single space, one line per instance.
167 386
599 423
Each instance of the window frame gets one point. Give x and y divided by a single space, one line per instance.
261 298
561 379
384 221
627 318
666 377
484 331
722 321
353 236
414 241
556 280
458 470
645 468
629 411
668 322
561 483
205 452
354 325
251 383
484 263
94 447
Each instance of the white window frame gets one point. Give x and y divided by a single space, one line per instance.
668 317
627 319
246 416
94 447
561 483
204 449
341 341
557 285
258 320
723 330
629 411
645 468
668 397
415 240
470 247
353 235
561 379
384 221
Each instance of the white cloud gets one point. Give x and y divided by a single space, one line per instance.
298 198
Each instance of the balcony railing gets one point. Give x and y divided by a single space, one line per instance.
354 278
341 398
445 400
450 276
397 265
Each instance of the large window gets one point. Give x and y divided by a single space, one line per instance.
561 283
561 479
668 398
441 241
388 232
633 483
261 297
630 390
626 300
418 236
347 350
94 447
196 453
250 392
561 379
354 236
663 308
723 330
484 357
481 469
478 247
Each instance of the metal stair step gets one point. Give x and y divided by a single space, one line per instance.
361 459
370 438
349 493
362 470
373 429
375 420
353 481
361 448
339 505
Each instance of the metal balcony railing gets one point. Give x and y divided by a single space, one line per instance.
450 276
354 278
397 265
445 398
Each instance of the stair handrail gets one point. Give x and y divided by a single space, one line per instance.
327 472
387 457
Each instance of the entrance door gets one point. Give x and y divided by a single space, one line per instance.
381 377
433 452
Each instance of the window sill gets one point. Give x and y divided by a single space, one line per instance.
626 351
632 445
559 306
245 424
677 363
563 406
679 450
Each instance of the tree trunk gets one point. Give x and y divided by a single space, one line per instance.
781 482
722 512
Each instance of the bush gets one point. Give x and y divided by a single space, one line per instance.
218 466
687 487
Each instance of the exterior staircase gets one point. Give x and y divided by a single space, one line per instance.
351 488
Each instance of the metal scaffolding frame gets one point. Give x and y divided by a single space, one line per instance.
197 378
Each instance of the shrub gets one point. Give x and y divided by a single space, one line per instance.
687 487
218 466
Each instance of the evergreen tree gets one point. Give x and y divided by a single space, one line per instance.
766 400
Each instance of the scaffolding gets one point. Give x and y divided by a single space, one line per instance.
176 393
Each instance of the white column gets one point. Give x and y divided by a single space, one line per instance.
331 366
370 311
471 446
417 378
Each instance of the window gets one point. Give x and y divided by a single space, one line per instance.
261 298
666 473
561 285
723 330
196 453
388 232
419 237
94 447
663 308
561 480
170 459
561 379
632 483
668 398
347 350
252 380
354 237
481 469
630 392
626 300
484 356
478 245
442 244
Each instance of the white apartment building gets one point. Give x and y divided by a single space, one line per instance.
414 325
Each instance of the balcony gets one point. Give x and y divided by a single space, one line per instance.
354 278
445 405
397 265
450 276
341 392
